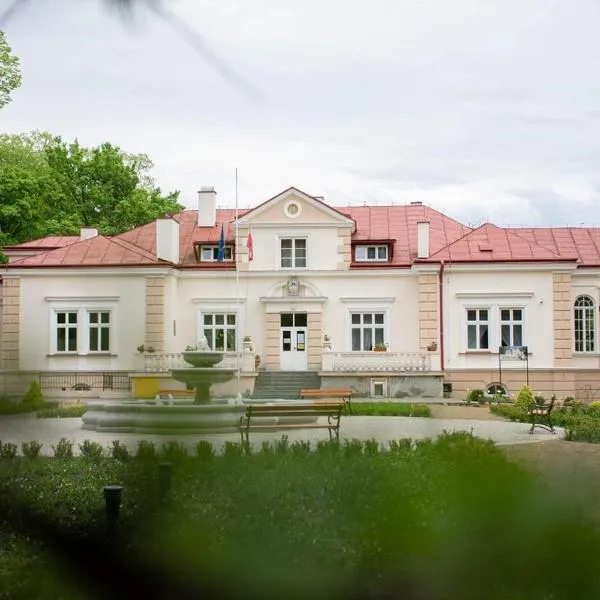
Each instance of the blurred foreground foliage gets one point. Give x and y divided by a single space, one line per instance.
444 519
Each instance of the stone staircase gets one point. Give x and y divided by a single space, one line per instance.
284 385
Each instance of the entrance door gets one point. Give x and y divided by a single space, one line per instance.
293 341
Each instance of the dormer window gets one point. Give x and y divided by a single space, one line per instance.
211 253
373 253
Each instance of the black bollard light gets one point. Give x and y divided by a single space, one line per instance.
112 497
165 474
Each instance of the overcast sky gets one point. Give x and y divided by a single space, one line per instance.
484 110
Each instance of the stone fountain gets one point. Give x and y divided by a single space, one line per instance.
202 374
176 416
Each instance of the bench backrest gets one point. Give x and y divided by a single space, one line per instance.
327 391
295 409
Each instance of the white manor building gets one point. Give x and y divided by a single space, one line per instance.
318 288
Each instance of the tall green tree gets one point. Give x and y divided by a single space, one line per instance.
10 72
51 187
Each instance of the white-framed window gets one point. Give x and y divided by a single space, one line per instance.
478 328
371 253
99 330
367 329
220 330
81 331
511 327
584 321
378 388
292 253
211 253
65 330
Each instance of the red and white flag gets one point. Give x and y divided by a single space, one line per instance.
250 246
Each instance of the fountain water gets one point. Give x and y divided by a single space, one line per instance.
176 416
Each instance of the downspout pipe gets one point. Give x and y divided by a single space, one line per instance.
441 313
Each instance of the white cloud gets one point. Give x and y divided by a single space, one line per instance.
484 110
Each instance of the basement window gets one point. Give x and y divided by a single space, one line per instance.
378 389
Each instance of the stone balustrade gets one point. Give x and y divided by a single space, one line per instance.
163 362
377 361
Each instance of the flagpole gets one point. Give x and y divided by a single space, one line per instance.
237 281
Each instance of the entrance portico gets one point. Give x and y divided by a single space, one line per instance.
293 327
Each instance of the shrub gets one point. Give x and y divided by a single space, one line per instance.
62 411
8 450
300 447
233 449
400 445
146 450
34 394
64 449
371 447
353 447
476 396
282 445
525 400
510 412
118 450
204 449
583 429
31 449
8 407
266 448
173 451
90 449
540 400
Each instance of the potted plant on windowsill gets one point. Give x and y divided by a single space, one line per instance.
145 349
380 347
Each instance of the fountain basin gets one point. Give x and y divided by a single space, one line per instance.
153 417
179 416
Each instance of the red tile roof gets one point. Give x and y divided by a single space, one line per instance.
399 223
583 242
449 241
490 243
98 251
47 243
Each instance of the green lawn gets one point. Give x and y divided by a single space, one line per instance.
446 519
389 409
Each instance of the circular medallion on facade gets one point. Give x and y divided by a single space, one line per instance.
292 209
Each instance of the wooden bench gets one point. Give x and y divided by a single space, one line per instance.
332 410
540 415
344 394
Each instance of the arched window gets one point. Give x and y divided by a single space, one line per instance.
496 388
585 324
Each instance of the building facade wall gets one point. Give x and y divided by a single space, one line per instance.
124 295
429 327
562 319
495 289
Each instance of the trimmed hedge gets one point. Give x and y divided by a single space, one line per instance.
341 521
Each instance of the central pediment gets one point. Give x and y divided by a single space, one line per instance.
294 207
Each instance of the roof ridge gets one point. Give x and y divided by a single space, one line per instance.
133 248
458 239
535 242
